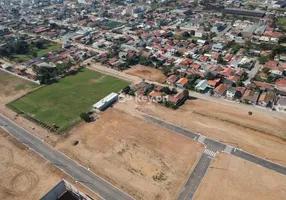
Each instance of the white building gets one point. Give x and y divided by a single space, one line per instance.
106 101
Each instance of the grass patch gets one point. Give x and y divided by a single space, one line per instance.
110 24
49 47
61 103
281 21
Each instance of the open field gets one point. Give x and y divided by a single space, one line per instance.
12 87
230 177
24 174
61 103
147 73
39 52
143 159
282 23
49 48
224 123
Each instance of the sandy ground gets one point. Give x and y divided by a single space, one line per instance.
12 87
230 177
24 174
145 160
223 123
147 73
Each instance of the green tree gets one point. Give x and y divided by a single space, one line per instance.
210 76
263 59
282 39
85 117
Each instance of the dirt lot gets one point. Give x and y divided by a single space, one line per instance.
147 73
239 179
12 87
24 174
226 124
145 160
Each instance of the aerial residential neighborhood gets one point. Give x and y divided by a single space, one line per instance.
139 99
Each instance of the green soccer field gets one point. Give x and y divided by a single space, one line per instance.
61 103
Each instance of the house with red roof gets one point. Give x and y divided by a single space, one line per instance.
266 98
220 90
214 83
172 79
195 66
281 85
182 82
226 72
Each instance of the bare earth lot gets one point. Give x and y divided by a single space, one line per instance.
12 87
24 174
147 73
230 177
145 160
226 124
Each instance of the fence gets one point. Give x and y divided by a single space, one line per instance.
62 187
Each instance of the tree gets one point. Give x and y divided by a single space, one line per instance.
34 54
282 39
167 90
265 70
167 70
44 74
131 61
210 76
220 60
186 93
40 44
85 117
263 59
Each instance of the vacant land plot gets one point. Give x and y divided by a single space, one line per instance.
224 123
12 87
282 23
61 103
230 177
36 52
143 159
23 174
147 73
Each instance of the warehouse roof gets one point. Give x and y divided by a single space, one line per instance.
105 100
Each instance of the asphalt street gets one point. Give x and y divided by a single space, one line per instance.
259 161
79 173
196 177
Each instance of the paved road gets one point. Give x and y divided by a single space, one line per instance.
75 170
259 161
212 147
253 72
196 177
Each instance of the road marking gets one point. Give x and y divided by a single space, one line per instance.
201 138
210 153
228 149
